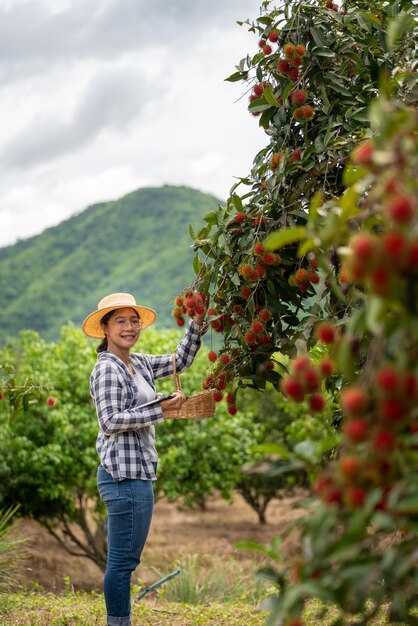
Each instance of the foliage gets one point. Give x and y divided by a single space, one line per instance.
138 243
345 226
10 550
47 443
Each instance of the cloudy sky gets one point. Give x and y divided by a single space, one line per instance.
101 97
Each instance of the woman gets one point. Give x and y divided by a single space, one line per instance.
123 390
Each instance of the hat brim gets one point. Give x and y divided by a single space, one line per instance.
92 327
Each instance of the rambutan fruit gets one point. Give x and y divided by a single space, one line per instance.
232 409
380 279
267 49
300 364
225 359
310 379
317 402
349 466
292 388
250 337
238 217
364 245
180 321
257 327
356 496
283 66
179 301
298 97
384 441
393 409
388 380
293 74
395 248
353 400
295 61
300 49
177 312
356 429
298 113
273 36
245 291
218 395
212 356
295 156
264 315
288 50
326 367
363 154
258 89
261 43
326 332
308 112
401 209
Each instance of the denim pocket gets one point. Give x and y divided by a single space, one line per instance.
108 488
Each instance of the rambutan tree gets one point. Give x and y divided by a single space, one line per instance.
318 246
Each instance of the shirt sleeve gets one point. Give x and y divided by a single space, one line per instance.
107 390
162 364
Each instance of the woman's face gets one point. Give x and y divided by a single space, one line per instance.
122 330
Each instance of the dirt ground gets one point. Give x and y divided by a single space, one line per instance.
175 533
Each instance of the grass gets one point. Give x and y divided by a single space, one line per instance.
82 609
221 580
32 608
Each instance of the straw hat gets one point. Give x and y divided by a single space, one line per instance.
91 325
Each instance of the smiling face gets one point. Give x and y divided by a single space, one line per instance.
122 331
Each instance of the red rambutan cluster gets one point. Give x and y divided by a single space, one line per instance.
303 279
293 60
378 261
304 382
191 303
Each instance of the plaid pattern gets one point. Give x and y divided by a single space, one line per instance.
123 452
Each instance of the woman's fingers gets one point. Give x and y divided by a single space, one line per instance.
175 402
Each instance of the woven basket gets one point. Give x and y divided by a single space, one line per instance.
198 406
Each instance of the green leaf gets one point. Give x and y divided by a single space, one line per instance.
281 238
348 203
325 52
235 77
211 218
197 264
306 247
318 37
269 97
236 201
375 314
398 28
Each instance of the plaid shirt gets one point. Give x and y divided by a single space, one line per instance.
126 436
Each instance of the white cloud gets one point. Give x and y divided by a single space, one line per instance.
115 98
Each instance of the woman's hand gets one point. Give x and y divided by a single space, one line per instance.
175 402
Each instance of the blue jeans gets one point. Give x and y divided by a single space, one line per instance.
129 505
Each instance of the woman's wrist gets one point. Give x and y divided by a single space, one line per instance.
199 320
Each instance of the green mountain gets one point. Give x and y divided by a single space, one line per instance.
139 244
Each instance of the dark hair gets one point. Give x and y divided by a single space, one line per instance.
102 347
